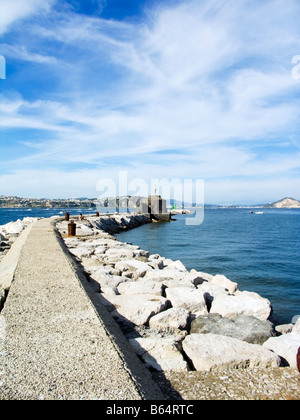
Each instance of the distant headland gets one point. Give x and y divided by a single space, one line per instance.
286 203
124 202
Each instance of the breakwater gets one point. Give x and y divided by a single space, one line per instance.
169 315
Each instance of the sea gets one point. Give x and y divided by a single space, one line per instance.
261 252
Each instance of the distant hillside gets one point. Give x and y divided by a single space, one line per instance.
285 203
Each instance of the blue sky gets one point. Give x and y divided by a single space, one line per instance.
184 89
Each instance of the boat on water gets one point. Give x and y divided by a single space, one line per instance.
259 212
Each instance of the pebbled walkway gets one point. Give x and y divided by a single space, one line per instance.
55 343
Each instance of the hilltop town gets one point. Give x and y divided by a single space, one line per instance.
20 202
15 202
122 202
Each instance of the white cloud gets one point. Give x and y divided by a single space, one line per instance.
12 11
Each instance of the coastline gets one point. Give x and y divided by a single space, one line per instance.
154 301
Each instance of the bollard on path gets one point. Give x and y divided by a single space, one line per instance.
67 216
72 229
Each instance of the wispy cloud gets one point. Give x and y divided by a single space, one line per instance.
11 12
210 80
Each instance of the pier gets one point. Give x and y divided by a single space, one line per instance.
55 342
65 336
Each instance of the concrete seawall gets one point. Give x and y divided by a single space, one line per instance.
56 342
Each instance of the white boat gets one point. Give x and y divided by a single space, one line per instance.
259 212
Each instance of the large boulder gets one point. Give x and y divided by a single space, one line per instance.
246 303
174 319
119 253
177 265
138 309
141 287
296 327
161 354
211 291
84 229
82 252
224 282
243 327
167 274
139 268
172 274
109 283
190 299
103 242
125 251
210 351
286 346
202 276
14 227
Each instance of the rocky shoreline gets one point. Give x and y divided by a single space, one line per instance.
175 319
183 324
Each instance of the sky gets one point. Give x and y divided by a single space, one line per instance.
154 89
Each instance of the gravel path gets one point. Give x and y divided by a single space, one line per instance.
53 343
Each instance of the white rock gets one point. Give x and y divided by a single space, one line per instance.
81 252
84 230
285 346
91 263
296 328
141 287
154 257
139 309
190 299
165 274
14 227
177 265
156 263
284 329
209 351
174 318
224 282
212 289
160 354
103 242
171 274
73 242
28 220
247 303
120 253
107 281
138 267
202 276
100 251
175 283
167 262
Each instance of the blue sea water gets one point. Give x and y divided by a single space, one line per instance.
12 215
259 252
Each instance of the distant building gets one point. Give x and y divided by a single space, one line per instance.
156 207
